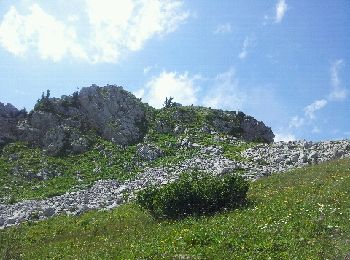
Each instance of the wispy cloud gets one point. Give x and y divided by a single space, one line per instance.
285 137
225 92
296 122
181 87
338 92
247 43
281 9
147 69
313 107
223 29
109 29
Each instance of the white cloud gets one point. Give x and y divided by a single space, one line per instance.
313 107
296 122
38 30
223 28
338 92
109 30
248 41
170 84
128 25
281 9
225 92
285 137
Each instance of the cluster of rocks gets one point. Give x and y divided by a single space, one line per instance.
265 159
101 194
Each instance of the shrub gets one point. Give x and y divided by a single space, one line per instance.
44 104
194 194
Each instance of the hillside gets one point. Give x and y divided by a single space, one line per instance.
106 133
97 148
302 214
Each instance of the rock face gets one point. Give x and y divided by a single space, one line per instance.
254 130
9 117
60 125
64 125
249 128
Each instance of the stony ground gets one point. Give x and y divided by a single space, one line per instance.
258 161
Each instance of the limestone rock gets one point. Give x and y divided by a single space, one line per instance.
148 152
254 130
9 117
60 125
65 125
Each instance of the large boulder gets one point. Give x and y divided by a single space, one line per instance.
148 152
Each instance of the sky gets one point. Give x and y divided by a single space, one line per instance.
285 62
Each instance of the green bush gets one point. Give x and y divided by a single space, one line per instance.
194 194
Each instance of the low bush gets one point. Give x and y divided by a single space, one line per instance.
194 194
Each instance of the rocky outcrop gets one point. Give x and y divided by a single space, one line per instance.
246 127
234 123
61 125
254 130
66 125
9 117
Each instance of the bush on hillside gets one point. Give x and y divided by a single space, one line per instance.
194 194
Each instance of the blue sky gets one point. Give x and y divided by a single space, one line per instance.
284 62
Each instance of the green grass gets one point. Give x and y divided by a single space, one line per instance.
103 161
303 214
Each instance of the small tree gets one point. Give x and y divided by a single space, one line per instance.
168 102
44 103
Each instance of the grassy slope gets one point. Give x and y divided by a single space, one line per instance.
303 214
103 161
